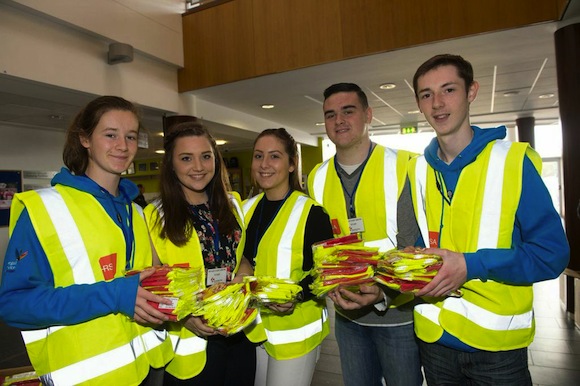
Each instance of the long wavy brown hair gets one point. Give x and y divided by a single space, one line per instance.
176 219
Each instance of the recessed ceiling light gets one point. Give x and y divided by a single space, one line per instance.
546 96
319 123
510 93
266 106
387 86
414 112
220 142
55 116
160 151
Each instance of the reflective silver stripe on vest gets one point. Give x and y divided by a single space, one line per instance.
480 316
319 182
391 196
420 184
297 334
187 346
100 364
284 260
238 209
31 336
492 198
69 236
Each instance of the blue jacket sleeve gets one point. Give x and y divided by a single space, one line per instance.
540 250
28 299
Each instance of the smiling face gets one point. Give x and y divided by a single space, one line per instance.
111 147
346 120
194 165
444 100
271 167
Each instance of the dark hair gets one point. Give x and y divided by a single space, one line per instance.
347 87
291 148
176 219
75 155
464 68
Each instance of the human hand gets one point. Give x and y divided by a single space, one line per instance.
145 313
451 275
284 308
197 325
348 300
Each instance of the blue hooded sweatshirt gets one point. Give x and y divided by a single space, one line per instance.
28 299
539 251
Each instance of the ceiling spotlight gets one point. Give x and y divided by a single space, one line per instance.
267 106
510 93
220 142
160 151
387 86
414 112
546 96
319 123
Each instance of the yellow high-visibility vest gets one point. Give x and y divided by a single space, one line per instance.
377 195
279 255
71 226
490 315
190 356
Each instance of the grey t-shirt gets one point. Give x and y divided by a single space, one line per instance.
408 233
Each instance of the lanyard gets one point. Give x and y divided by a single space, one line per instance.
258 234
351 208
446 194
128 233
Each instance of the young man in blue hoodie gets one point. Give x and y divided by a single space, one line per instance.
481 204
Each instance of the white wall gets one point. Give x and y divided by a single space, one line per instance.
37 47
28 149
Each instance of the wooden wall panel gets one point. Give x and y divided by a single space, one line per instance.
241 39
218 45
372 26
295 34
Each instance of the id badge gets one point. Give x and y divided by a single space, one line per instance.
356 225
216 275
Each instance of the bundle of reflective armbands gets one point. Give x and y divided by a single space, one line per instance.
225 307
342 261
178 283
408 271
267 290
229 308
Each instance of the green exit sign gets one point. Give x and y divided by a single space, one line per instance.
409 130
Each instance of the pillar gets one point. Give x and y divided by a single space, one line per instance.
567 44
526 130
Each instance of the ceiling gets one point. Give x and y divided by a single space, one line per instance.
520 61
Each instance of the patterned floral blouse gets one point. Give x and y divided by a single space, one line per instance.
206 230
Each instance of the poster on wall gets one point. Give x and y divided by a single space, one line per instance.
10 184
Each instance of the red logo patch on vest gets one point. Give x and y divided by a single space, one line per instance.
335 226
433 239
109 266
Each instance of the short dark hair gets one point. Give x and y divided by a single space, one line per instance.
464 68
75 155
347 87
291 147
